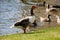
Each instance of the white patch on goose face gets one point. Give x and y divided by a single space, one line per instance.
32 19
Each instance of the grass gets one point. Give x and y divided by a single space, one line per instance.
52 33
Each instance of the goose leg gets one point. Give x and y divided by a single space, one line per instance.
35 24
24 29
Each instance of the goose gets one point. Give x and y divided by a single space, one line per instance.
42 4
50 9
56 6
58 19
45 19
26 21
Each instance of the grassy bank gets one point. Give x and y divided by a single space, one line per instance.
52 33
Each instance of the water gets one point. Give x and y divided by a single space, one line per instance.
10 12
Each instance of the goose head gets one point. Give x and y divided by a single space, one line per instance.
44 3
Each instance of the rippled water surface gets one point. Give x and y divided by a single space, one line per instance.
10 12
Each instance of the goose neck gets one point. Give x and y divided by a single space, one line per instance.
32 12
49 17
44 3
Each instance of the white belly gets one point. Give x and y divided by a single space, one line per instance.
32 19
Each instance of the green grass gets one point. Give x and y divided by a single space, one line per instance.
52 33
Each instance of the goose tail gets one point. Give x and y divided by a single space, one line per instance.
12 26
